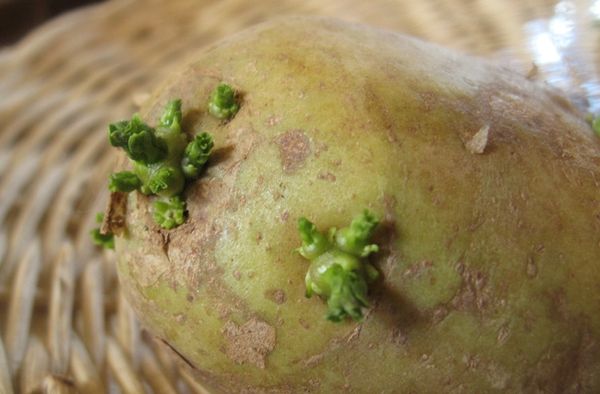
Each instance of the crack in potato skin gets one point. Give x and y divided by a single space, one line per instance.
459 306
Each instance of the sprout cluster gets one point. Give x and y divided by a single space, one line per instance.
159 156
163 158
339 271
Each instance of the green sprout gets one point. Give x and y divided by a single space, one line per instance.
338 271
223 103
138 140
354 239
106 241
196 155
166 181
169 213
124 181
162 160
171 117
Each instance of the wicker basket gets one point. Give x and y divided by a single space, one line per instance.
64 324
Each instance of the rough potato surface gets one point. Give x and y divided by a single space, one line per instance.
488 190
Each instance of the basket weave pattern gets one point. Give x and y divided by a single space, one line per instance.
64 324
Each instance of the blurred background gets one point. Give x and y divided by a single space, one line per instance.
17 17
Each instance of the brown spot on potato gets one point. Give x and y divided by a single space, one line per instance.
250 343
276 295
473 294
532 269
417 270
304 324
313 360
503 334
294 149
354 334
326 176
439 314
398 337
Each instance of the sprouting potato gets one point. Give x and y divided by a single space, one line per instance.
484 186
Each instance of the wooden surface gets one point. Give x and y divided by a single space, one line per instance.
63 322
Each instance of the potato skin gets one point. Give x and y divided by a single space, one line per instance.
490 261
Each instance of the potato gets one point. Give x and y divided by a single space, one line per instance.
486 184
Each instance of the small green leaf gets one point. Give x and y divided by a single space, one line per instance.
223 103
172 114
314 243
354 239
138 140
196 155
124 181
169 213
118 133
145 147
106 241
161 180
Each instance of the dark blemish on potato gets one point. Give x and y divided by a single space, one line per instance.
178 354
276 295
249 343
294 149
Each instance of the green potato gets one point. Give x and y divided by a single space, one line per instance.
486 185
